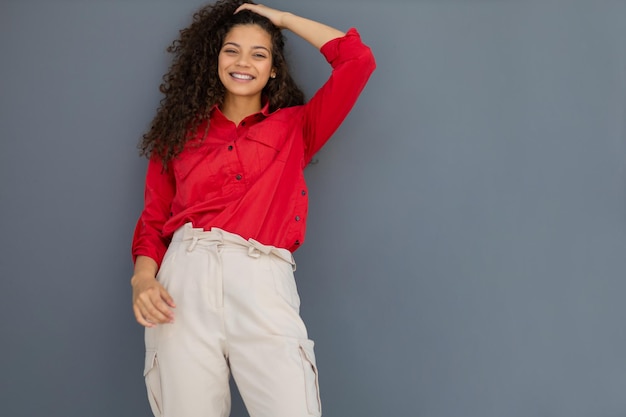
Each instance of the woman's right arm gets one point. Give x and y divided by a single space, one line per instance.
152 304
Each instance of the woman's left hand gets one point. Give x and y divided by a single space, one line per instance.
317 34
275 16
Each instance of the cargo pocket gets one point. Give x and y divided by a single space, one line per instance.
153 382
311 382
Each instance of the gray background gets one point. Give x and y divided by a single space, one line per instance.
467 232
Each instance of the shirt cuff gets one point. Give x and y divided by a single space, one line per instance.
333 48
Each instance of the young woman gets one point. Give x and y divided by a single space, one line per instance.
225 207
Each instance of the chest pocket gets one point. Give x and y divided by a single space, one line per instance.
269 134
266 143
192 159
195 175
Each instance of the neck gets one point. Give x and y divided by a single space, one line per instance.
238 108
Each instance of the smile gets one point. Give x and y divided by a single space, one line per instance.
240 76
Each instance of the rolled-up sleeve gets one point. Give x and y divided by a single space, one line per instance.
148 239
352 63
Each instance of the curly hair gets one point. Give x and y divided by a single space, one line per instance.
192 85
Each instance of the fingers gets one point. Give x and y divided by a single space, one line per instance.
140 319
256 8
167 298
153 306
247 6
273 15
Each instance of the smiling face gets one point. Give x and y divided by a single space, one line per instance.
245 62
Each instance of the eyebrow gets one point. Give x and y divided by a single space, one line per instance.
254 47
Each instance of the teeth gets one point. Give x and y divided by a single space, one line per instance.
241 76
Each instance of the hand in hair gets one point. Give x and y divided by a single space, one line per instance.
317 34
275 16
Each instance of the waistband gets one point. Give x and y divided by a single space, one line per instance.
196 234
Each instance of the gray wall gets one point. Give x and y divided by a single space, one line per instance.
467 235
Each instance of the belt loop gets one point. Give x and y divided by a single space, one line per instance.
193 243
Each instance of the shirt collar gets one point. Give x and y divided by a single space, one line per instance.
217 117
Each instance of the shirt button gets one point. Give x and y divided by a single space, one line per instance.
230 148
297 218
243 123
297 242
238 177
303 192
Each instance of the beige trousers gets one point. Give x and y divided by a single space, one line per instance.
237 312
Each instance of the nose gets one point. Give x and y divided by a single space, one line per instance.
242 61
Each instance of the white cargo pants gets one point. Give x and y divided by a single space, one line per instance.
237 312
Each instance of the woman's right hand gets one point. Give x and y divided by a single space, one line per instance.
152 303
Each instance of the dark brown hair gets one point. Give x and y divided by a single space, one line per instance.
192 85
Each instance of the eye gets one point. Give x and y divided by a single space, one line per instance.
260 55
229 51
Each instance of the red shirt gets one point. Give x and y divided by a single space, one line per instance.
249 179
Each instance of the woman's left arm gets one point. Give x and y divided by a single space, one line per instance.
352 63
316 33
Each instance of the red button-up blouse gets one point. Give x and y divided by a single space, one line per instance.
248 179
